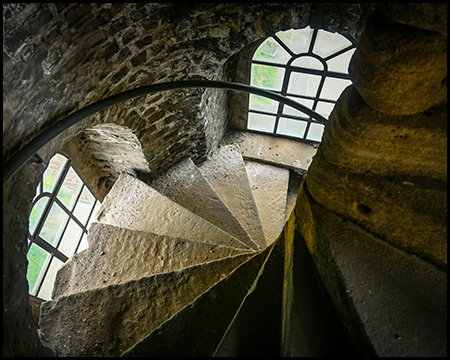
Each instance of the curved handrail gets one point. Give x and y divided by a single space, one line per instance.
24 154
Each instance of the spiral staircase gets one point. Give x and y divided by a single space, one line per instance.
188 265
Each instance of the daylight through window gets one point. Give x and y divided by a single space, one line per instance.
62 211
308 66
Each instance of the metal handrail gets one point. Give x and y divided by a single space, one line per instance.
31 148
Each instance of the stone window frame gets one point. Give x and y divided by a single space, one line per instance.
55 255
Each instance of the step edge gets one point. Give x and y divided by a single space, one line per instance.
257 220
250 254
248 239
122 178
202 294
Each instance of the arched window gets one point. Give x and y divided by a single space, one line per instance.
62 211
308 66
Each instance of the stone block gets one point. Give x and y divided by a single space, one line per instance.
116 255
399 69
273 150
399 300
226 173
108 321
367 141
134 205
139 59
269 185
411 217
185 185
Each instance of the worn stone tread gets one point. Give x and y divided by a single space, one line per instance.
269 185
135 205
185 185
109 320
409 292
196 330
226 173
116 255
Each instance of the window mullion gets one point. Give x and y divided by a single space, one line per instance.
69 213
50 248
42 279
284 87
78 197
313 41
350 47
283 45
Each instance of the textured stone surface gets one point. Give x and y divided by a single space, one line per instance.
117 147
391 290
109 320
269 186
116 255
428 16
311 325
367 141
185 184
225 171
273 150
410 217
190 331
399 299
134 205
399 69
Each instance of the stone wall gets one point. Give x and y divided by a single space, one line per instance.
65 56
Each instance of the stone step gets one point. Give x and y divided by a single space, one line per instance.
197 329
132 204
185 184
108 321
226 173
116 255
269 185
256 328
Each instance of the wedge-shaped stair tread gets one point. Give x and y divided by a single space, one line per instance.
185 185
109 320
197 329
256 328
225 171
270 186
116 255
134 205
